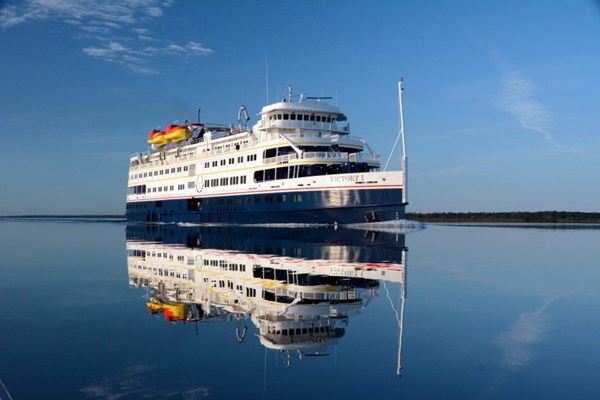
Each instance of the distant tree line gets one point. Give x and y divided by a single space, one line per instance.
514 217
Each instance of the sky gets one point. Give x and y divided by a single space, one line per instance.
501 98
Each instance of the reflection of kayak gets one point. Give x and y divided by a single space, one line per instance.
4 395
173 312
176 133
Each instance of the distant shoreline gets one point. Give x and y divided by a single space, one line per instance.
537 217
66 217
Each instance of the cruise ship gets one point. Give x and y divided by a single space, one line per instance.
298 306
299 163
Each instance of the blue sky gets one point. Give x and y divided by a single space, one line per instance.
501 97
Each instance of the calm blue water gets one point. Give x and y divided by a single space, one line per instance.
489 312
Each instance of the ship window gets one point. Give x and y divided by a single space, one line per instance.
172 170
155 173
286 116
281 198
214 163
231 161
318 118
223 162
171 187
278 116
206 164
293 117
282 173
306 117
167 171
312 117
270 174
240 159
243 179
259 176
270 153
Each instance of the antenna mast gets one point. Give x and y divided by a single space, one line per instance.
400 135
404 156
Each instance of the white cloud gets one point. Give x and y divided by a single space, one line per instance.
115 27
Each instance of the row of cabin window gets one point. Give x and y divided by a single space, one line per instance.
224 266
163 272
229 161
169 188
300 171
300 331
234 180
227 147
302 117
173 170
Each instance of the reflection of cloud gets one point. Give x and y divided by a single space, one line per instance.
516 343
138 381
115 27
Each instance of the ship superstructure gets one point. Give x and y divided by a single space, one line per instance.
298 163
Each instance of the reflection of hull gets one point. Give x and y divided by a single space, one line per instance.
324 243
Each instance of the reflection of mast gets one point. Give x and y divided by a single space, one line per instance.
399 314
401 319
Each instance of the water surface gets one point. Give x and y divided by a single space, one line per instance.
485 312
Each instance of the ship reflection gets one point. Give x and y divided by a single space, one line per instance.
298 287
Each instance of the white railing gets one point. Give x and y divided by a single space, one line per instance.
280 159
331 126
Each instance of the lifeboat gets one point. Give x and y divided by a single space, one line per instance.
176 133
157 137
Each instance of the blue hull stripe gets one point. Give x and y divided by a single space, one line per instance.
319 206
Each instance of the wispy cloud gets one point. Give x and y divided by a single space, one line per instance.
517 342
517 98
116 29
